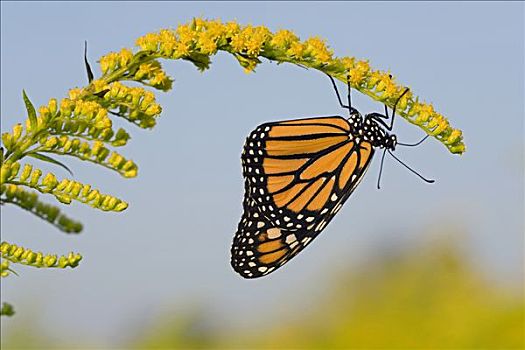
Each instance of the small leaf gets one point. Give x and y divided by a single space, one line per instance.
49 160
117 114
88 67
102 93
12 271
31 113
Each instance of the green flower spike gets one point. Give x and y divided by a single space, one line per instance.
65 190
29 201
16 254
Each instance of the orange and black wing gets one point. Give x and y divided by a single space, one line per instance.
298 174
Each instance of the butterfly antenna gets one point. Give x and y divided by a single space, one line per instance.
336 91
349 92
413 144
381 170
409 168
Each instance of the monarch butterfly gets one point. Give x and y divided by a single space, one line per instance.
298 174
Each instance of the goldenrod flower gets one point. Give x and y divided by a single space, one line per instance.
185 34
283 38
109 62
359 72
125 56
296 50
319 50
74 93
237 42
147 42
206 43
205 37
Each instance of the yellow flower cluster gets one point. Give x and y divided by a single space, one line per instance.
135 104
25 256
87 130
94 152
317 48
65 190
115 60
201 38
116 65
89 111
288 42
12 140
250 41
151 74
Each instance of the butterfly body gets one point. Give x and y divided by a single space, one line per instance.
298 174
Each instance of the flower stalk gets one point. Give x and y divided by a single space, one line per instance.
200 39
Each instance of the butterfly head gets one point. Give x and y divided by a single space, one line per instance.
391 142
376 134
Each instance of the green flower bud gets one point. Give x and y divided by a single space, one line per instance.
5 171
30 258
63 198
121 206
51 142
86 190
26 172
39 259
15 167
62 185
52 105
17 132
62 262
35 176
50 260
50 181
92 195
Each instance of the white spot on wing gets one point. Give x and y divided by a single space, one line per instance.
274 233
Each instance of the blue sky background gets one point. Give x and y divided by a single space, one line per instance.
171 247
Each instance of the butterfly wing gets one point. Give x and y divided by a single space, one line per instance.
259 247
298 174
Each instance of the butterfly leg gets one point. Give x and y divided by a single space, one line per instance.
414 144
378 117
338 95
